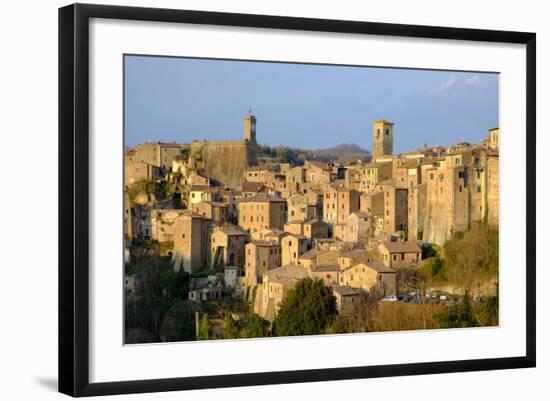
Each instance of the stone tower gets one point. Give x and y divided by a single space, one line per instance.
382 144
250 128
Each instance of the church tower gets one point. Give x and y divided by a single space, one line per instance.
382 144
250 128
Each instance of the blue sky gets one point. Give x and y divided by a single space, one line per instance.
299 105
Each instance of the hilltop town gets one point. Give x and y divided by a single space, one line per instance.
218 234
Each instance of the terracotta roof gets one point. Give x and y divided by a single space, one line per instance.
262 198
200 188
380 267
326 268
252 186
346 290
311 254
296 222
264 243
286 273
319 164
312 221
400 246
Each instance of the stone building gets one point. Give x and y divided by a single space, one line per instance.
162 223
158 154
260 256
347 298
494 138
397 254
275 285
370 276
318 174
355 256
493 195
446 209
292 247
225 162
373 173
250 129
457 192
310 228
218 212
228 247
416 203
338 203
296 179
326 273
261 212
382 139
128 213
191 242
139 170
395 207
357 227
372 203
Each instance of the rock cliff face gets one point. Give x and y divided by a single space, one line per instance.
225 162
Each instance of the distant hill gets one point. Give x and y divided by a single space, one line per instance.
343 153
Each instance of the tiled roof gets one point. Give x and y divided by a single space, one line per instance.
286 273
400 246
346 290
262 198
380 267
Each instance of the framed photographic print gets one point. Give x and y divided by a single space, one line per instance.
251 199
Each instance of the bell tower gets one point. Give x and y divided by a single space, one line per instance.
382 144
250 128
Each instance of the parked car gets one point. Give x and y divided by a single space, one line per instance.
389 298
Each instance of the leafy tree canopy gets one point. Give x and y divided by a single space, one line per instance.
307 309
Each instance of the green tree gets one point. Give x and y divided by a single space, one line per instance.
179 323
307 309
174 284
231 330
204 328
461 315
255 327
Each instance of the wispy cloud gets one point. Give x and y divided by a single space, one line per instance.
472 80
445 85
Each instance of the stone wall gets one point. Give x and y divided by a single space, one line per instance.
225 162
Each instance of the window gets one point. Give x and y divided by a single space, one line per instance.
387 133
461 174
378 133
478 188
460 188
394 257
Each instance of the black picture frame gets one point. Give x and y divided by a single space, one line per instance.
74 198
